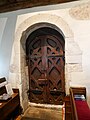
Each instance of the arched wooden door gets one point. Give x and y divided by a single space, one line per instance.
46 69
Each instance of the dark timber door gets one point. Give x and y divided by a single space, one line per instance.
46 69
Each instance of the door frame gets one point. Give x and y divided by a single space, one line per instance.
64 72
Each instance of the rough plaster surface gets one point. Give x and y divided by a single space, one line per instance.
81 12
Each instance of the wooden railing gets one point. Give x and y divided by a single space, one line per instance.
73 107
76 91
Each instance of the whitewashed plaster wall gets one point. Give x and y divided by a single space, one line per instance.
6 43
74 48
2 26
7 27
76 33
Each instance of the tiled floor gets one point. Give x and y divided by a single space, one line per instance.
36 113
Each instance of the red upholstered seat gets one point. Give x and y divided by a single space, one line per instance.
83 110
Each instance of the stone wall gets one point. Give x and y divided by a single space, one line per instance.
18 68
74 25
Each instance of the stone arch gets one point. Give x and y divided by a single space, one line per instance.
48 18
20 69
36 26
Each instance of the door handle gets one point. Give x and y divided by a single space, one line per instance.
42 81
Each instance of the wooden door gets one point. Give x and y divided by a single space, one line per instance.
46 69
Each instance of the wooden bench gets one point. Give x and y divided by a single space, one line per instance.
10 108
79 107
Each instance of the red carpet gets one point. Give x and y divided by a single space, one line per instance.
83 110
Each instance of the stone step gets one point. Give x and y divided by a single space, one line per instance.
37 113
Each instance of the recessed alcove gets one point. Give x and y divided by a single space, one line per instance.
19 68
